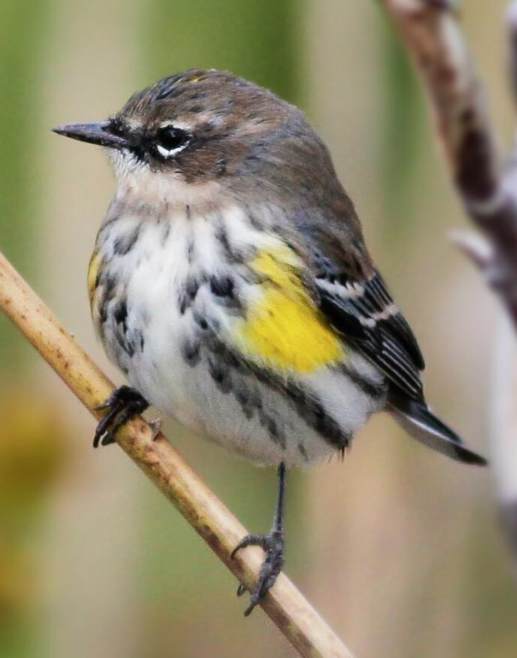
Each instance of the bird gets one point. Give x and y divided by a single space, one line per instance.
231 284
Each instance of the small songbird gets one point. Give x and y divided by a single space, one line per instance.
230 282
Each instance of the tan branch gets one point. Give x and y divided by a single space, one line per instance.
295 617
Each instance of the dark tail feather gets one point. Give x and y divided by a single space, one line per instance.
422 425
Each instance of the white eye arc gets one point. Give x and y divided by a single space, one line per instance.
169 153
171 140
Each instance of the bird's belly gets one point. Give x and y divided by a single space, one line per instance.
231 406
214 398
264 429
165 327
239 412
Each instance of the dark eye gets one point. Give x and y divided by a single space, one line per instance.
117 127
170 140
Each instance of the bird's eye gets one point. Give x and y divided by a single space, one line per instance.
170 141
117 127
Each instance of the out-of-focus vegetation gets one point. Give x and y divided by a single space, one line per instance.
33 450
399 548
22 40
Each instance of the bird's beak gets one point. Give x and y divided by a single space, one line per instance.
93 133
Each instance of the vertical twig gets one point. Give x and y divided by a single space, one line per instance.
504 429
487 188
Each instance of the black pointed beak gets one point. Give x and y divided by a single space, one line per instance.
94 133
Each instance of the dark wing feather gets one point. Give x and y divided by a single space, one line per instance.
325 231
363 311
353 295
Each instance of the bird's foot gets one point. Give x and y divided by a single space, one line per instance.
273 545
124 403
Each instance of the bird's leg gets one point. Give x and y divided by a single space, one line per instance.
124 403
273 545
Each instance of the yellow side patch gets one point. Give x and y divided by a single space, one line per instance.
284 328
93 273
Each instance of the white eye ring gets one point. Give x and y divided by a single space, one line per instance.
171 140
169 153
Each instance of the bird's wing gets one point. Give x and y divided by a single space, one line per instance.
361 309
356 302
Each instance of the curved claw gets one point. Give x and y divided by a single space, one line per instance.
251 540
102 431
124 403
273 544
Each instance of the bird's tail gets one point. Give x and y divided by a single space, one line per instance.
421 424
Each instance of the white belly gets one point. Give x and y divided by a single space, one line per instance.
183 378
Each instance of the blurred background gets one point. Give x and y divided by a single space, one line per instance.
399 548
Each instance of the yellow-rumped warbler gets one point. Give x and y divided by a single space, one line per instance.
231 284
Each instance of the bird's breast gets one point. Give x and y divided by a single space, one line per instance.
177 279
210 318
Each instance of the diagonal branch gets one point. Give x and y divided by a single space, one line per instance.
295 617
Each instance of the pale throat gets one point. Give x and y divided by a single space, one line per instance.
166 192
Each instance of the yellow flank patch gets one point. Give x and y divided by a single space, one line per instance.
284 328
93 273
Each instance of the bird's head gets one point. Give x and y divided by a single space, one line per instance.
198 127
